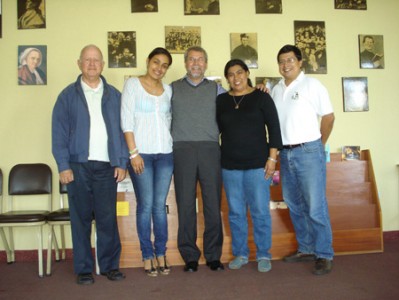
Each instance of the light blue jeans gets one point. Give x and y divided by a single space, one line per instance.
303 177
249 189
151 189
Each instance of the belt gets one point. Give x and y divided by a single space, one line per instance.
292 146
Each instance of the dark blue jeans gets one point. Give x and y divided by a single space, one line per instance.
151 189
93 191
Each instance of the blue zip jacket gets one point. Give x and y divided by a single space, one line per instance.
71 126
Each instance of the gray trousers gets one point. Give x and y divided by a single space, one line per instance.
198 161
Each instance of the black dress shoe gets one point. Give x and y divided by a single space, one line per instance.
215 265
299 257
114 275
191 266
322 266
85 278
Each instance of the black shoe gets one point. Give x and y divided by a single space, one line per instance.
299 257
85 278
114 275
322 266
191 266
215 265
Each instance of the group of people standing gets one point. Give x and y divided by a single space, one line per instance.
175 129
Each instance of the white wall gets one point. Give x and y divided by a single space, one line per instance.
25 111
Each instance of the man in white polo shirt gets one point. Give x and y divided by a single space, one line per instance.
306 120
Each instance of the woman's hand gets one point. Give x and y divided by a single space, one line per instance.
137 164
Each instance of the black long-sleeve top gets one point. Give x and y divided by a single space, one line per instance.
244 140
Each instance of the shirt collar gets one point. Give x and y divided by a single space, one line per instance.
87 88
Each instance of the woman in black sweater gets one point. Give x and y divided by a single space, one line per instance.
250 139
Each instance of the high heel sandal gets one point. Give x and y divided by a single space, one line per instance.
149 268
163 266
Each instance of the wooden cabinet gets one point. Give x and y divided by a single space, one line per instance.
353 202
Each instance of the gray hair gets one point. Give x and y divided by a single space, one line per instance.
197 49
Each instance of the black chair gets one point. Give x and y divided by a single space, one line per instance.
25 183
61 218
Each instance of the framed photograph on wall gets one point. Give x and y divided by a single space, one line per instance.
139 6
355 90
32 65
122 49
351 4
31 14
179 38
269 82
268 6
310 37
371 51
244 46
201 7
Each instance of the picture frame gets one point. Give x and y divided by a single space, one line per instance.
269 82
244 46
122 49
179 38
268 7
31 14
355 94
310 38
32 65
351 4
201 7
144 6
371 51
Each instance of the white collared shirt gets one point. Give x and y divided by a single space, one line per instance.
299 107
98 145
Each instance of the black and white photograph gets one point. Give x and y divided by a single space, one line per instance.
244 46
310 37
32 65
355 90
371 51
201 7
351 4
144 6
31 14
179 38
1 22
269 6
268 82
122 49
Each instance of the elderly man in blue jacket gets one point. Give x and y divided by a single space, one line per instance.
91 155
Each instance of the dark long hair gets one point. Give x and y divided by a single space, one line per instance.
160 50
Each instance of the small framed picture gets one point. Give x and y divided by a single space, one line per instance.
351 4
268 7
140 6
310 37
355 90
269 82
201 7
122 49
371 51
32 65
179 38
244 46
31 14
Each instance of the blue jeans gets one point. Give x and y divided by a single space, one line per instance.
303 174
151 189
249 188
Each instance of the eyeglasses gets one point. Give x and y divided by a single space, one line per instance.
288 61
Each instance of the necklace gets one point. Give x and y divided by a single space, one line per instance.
237 105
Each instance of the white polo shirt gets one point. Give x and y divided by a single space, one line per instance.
98 145
299 107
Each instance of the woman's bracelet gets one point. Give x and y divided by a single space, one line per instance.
135 150
272 159
133 155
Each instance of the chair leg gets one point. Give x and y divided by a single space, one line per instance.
49 248
63 254
56 248
40 251
6 246
11 245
